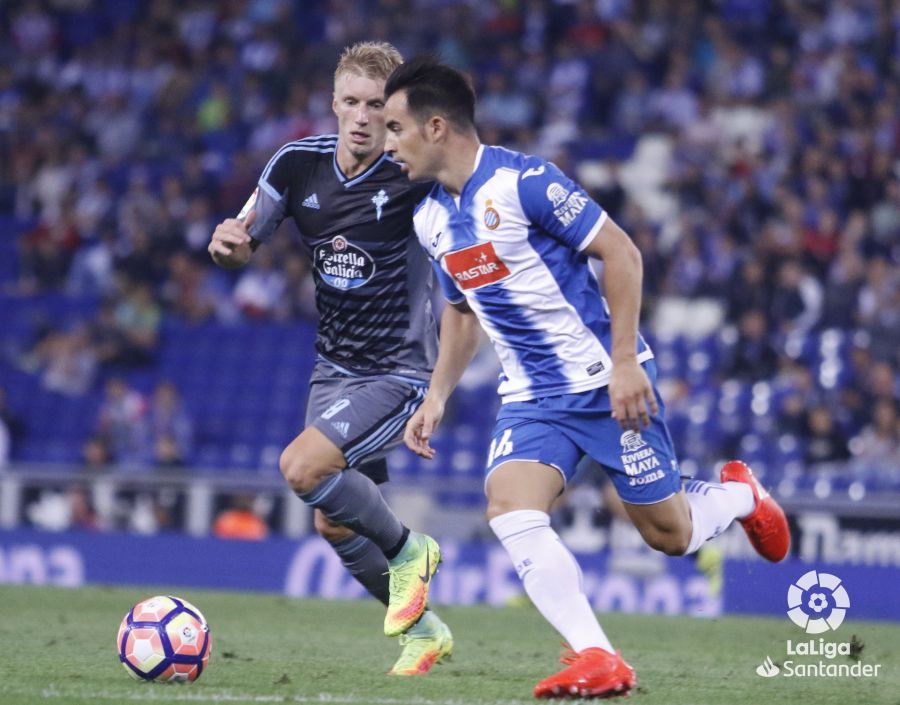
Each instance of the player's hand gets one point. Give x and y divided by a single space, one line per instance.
229 235
420 427
631 394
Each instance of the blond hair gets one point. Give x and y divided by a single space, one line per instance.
375 60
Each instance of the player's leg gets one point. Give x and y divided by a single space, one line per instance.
359 555
315 468
680 521
681 524
520 491
361 418
425 643
519 499
328 395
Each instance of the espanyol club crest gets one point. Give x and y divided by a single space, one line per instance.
342 264
491 216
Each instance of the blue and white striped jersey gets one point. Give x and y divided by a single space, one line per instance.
512 246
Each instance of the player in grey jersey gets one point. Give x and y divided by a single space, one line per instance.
376 340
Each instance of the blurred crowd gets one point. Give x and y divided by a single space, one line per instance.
750 147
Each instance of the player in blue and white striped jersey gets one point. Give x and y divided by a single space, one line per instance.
376 340
509 237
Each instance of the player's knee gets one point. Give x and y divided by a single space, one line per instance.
328 530
673 542
298 468
497 507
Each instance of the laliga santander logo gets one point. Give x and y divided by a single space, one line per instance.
767 669
818 602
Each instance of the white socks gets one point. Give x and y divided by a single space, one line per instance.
551 576
714 506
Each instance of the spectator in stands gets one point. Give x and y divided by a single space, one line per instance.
298 301
240 521
879 306
194 292
91 273
69 361
46 253
752 357
792 415
655 264
881 381
687 272
144 258
632 111
261 286
81 509
198 222
93 205
878 444
238 182
139 207
95 454
126 333
748 289
845 279
825 443
797 299
504 106
820 242
12 422
5 444
122 422
171 427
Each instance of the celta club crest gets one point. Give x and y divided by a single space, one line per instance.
631 441
379 199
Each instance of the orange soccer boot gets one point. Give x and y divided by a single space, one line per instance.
592 673
766 526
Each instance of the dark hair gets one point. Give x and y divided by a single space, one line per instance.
434 88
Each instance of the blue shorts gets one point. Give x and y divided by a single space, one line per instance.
560 430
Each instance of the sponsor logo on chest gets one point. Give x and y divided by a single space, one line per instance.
342 264
476 266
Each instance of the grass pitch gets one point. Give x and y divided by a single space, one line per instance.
57 646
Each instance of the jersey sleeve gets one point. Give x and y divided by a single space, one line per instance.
270 198
448 288
558 205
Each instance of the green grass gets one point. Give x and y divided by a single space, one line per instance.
57 646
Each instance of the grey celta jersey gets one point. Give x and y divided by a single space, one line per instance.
373 280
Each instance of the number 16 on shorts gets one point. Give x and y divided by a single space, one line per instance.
500 447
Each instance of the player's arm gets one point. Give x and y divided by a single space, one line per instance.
630 390
234 240
231 245
460 334
564 211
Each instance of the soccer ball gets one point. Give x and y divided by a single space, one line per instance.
165 639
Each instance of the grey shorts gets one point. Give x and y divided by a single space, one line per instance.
363 416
